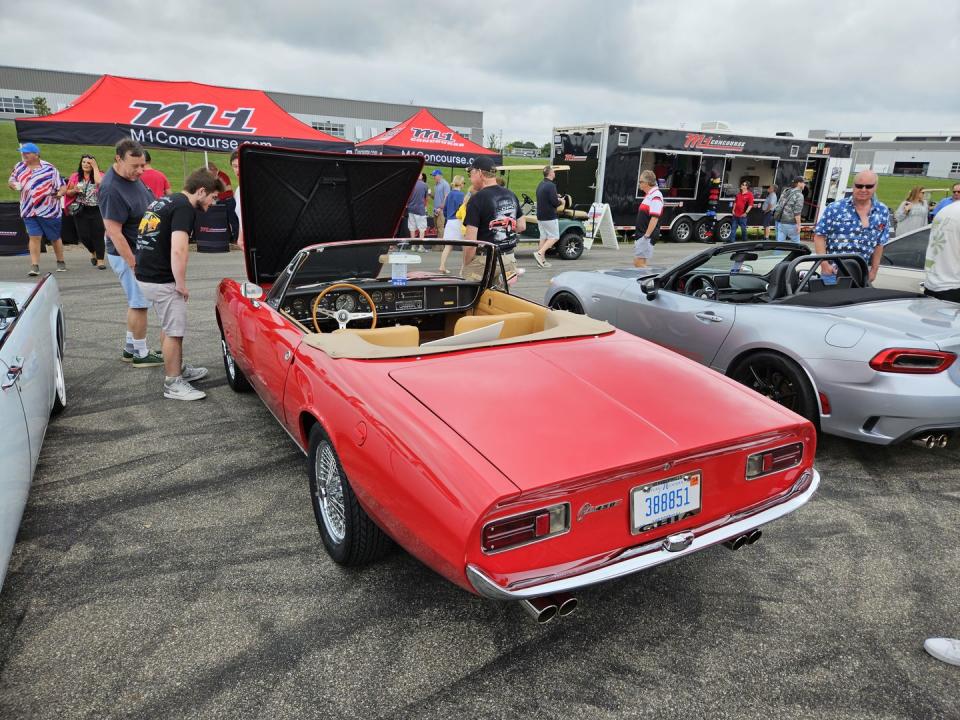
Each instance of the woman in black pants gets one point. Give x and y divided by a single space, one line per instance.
83 206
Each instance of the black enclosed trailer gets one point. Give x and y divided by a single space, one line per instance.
606 160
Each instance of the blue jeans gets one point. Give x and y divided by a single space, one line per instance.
788 232
738 222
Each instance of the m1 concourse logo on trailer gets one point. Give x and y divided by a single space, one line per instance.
699 141
187 116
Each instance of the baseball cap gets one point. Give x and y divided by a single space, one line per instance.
29 148
437 172
483 163
799 178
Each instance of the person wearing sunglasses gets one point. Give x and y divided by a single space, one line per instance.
954 195
858 225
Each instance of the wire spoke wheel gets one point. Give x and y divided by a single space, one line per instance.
329 493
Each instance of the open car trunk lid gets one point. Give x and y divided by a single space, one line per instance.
546 413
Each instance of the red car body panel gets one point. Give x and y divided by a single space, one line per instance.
437 446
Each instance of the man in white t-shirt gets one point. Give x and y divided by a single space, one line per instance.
943 255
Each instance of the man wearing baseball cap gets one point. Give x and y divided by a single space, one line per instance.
493 215
440 192
788 211
39 185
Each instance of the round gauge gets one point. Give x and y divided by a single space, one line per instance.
299 306
377 297
345 302
388 296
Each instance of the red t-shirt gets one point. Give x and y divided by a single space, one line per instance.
156 181
228 193
742 203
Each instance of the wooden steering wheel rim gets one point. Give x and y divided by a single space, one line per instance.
341 286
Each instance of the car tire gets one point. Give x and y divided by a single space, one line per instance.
59 382
235 378
349 535
566 301
570 245
780 379
682 230
722 231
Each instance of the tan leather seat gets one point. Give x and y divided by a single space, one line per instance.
514 324
390 336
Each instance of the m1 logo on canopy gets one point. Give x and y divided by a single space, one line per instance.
187 116
428 135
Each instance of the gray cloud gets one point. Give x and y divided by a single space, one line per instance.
761 66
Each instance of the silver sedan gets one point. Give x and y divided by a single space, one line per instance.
871 364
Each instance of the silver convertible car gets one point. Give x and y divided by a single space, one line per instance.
32 388
866 363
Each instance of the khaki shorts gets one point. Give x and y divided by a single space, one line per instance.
170 306
474 269
416 222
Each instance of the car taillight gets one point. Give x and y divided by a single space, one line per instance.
770 461
906 360
517 530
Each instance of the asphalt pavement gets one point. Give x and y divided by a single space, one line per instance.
168 566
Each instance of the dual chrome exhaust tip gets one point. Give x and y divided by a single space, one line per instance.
748 538
932 441
546 608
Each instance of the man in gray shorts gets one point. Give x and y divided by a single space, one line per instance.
547 203
161 269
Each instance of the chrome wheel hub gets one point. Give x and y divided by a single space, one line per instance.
329 493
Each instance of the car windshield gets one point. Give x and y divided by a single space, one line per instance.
385 260
757 262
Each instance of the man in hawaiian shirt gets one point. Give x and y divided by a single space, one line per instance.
857 225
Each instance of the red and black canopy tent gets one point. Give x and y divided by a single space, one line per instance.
424 135
176 116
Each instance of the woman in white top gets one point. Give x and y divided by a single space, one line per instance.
912 212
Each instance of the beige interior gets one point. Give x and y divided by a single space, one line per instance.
523 321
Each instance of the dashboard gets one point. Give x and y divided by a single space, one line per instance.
425 297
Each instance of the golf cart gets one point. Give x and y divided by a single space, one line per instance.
572 231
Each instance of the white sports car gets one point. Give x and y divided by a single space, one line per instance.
32 388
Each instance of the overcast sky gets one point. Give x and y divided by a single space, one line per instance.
762 66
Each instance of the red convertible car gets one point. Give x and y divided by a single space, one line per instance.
520 452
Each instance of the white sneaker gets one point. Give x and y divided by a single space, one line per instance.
539 258
180 389
192 374
944 649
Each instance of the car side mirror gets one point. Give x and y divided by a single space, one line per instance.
251 291
8 309
650 287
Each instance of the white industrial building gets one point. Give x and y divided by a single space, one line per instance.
934 154
354 120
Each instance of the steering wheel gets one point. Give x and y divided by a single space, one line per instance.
701 286
527 199
342 316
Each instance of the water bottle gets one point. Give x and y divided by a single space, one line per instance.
398 273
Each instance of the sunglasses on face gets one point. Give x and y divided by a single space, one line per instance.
863 186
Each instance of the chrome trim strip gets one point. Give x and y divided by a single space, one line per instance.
649 556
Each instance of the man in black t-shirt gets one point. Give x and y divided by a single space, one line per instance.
493 215
161 269
548 201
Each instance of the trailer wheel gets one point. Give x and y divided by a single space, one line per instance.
570 245
682 230
723 230
705 230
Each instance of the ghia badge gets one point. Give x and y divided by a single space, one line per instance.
587 508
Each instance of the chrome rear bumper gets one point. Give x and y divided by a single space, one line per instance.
656 553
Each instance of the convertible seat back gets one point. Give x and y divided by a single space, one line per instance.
391 336
514 324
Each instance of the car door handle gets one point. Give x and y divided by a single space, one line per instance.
709 317
13 374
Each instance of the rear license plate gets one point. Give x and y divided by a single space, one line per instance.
664 502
